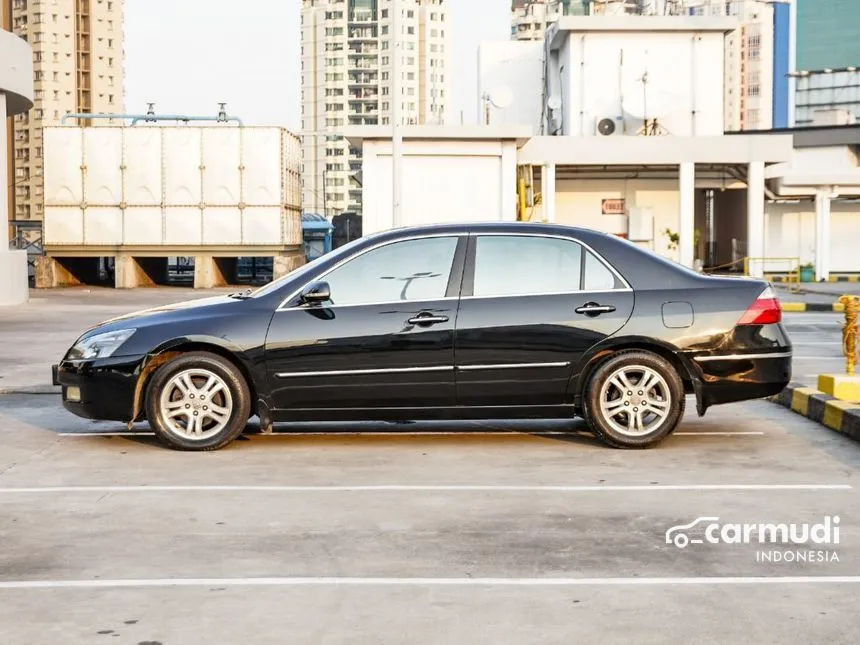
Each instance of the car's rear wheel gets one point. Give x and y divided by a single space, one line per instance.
634 399
198 401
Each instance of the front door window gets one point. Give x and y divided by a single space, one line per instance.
412 270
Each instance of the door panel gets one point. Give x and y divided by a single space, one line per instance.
362 356
385 338
536 340
532 305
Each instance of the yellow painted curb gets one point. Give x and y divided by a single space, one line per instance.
833 411
793 306
842 386
800 399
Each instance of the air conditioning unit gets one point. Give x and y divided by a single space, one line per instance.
607 126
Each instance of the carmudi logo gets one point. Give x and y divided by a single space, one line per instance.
819 538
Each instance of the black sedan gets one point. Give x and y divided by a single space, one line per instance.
482 321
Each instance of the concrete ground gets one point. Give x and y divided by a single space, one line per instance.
498 532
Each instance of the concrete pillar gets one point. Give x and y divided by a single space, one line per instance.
548 192
65 272
822 234
687 213
755 218
211 272
286 263
134 272
14 285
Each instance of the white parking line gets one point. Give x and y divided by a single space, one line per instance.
818 358
719 434
424 582
419 488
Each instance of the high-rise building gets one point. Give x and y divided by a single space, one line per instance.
348 50
530 18
78 66
826 79
827 33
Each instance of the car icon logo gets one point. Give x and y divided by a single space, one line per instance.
679 535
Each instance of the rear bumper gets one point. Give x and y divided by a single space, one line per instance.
739 377
105 387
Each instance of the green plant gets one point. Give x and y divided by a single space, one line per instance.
675 239
807 266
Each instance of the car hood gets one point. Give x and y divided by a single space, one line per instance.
164 313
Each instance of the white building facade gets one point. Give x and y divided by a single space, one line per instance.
757 54
348 50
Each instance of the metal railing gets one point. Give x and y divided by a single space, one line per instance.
792 273
27 236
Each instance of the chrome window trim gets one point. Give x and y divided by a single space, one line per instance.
625 288
556 236
740 357
281 307
548 293
392 370
510 366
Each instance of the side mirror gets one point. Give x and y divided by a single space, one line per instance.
315 293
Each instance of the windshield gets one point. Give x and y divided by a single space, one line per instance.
304 269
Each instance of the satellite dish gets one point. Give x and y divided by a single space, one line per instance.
554 103
606 127
501 97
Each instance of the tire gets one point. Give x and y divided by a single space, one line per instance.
610 409
183 416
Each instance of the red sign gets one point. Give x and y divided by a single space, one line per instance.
612 206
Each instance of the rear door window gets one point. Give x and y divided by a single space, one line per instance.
518 265
514 265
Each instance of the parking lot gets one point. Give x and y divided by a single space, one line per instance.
420 533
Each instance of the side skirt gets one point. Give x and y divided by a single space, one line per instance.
425 414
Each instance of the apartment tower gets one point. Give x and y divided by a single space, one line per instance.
78 66
347 79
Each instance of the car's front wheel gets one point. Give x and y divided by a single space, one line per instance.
198 401
634 399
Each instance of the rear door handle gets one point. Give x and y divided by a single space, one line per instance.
594 309
426 318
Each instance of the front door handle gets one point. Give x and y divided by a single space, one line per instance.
426 318
594 309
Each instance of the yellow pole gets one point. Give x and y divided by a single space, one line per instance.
849 331
521 189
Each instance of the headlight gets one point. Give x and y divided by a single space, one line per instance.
100 345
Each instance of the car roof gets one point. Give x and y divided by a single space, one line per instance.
469 227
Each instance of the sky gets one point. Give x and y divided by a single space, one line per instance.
186 56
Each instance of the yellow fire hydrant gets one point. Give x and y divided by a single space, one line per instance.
849 331
845 387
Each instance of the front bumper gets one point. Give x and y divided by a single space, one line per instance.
106 386
739 377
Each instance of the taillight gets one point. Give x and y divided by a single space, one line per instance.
764 311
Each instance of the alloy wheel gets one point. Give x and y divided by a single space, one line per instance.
195 404
635 400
